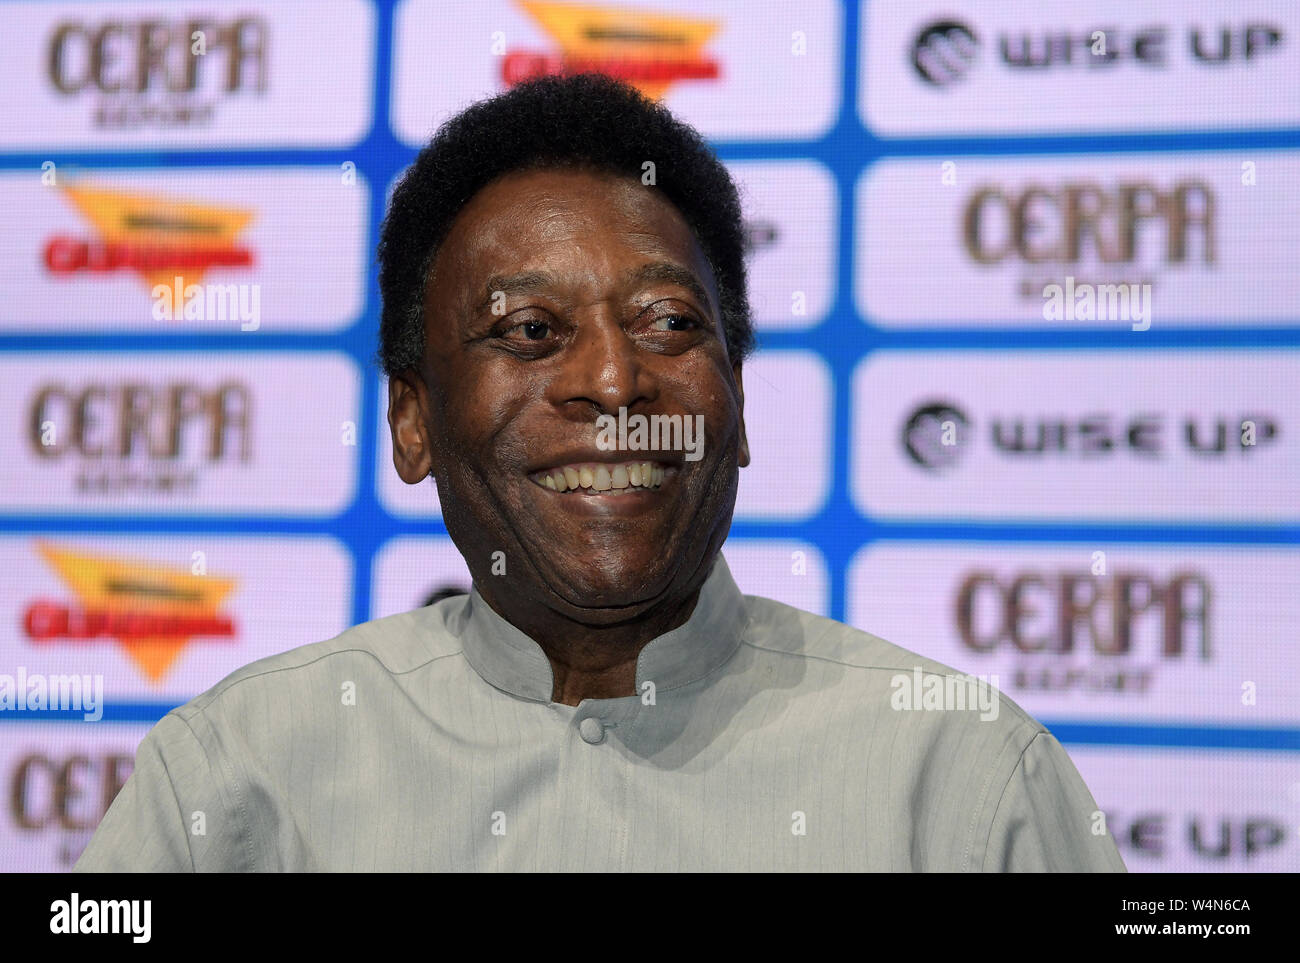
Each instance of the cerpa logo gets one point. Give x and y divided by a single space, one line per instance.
151 610
650 51
170 243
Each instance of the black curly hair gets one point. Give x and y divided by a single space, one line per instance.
585 121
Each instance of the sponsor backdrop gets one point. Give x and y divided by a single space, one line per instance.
1027 282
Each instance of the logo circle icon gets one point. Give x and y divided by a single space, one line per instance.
944 51
935 434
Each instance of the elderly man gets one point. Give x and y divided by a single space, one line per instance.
561 258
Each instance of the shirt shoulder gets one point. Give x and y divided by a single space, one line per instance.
875 664
989 786
392 646
226 758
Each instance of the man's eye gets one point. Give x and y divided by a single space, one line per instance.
532 330
675 322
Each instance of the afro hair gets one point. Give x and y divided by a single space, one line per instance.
582 121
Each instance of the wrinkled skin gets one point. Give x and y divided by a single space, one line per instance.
507 392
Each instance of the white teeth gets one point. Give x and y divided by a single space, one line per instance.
606 480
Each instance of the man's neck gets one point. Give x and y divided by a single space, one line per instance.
593 661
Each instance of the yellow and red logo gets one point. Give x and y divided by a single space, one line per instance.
159 238
650 51
151 610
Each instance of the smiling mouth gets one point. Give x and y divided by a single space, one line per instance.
597 478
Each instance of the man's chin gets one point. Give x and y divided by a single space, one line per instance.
609 592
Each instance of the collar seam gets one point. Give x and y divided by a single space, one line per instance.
727 656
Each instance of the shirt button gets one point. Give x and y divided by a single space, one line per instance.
591 730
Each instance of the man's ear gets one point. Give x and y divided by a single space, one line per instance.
742 452
408 402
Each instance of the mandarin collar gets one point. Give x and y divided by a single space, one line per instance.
509 660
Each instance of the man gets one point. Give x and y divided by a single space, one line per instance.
605 698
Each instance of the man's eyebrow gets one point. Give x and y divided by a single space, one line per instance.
527 282
672 274
523 283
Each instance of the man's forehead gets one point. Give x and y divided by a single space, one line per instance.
531 230
528 207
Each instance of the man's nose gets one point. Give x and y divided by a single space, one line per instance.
602 365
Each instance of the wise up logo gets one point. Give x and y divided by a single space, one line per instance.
937 434
946 51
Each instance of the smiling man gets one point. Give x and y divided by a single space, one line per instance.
605 698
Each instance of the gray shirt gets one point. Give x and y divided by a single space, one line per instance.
761 737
